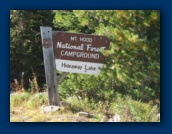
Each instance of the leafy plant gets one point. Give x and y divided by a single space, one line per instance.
132 64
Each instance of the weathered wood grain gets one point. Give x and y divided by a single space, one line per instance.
49 65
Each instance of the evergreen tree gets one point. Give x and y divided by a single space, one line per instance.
133 60
25 43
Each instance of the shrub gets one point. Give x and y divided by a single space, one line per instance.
37 100
135 111
18 98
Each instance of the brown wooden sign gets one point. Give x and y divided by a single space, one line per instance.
70 52
79 47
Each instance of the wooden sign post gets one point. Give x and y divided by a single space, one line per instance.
49 64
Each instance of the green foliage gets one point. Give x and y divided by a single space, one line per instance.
30 100
135 111
132 65
34 83
18 98
130 75
128 109
133 60
25 43
37 100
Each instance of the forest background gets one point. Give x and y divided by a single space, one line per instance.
132 67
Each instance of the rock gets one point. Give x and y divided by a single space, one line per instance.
85 114
91 115
116 118
76 109
65 104
158 115
51 108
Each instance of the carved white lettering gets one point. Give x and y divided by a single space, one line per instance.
86 39
95 49
80 54
74 38
69 46
62 52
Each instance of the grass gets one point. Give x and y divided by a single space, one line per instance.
26 107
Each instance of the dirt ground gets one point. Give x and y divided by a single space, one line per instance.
20 114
